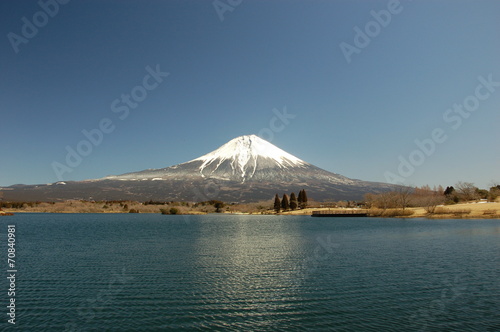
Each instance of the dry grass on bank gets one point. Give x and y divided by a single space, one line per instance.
75 206
466 210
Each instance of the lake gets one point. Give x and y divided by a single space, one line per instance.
125 272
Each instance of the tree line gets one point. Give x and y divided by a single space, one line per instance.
406 196
291 203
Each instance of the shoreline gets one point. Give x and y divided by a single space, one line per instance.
490 210
428 217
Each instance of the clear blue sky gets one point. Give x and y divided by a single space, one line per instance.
226 77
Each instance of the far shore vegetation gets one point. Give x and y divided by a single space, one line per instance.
463 200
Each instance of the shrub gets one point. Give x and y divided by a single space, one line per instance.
133 211
461 212
390 212
218 206
376 212
170 211
397 213
442 210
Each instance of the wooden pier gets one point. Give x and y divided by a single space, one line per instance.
345 213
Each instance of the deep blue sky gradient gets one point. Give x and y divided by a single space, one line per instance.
226 77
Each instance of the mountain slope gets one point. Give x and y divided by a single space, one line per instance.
244 169
243 159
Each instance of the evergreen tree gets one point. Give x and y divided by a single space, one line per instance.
300 199
303 203
449 191
218 206
285 203
293 201
277 204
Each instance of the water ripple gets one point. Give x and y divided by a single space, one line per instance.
118 273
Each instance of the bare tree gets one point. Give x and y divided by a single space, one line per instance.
388 200
404 196
370 200
427 198
467 191
385 200
439 189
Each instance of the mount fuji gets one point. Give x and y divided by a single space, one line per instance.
245 169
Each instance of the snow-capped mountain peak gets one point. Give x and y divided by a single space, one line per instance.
244 155
243 159
246 168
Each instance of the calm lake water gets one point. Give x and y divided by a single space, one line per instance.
125 272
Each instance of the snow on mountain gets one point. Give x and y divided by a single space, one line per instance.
242 159
245 154
244 169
